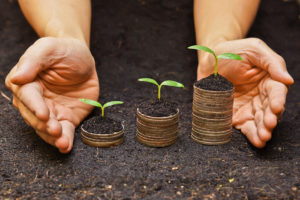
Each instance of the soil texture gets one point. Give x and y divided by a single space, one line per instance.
99 125
158 108
214 83
149 38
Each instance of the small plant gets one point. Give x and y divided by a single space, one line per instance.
223 56
166 83
97 104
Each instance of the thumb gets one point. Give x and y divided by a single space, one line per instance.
271 62
27 70
276 67
34 60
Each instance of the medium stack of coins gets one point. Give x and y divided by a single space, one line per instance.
212 116
102 140
157 131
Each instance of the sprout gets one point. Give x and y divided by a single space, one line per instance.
97 104
166 83
223 56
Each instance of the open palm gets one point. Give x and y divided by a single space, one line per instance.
260 86
47 82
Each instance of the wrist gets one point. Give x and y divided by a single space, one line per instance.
55 28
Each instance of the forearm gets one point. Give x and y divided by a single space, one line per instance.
59 18
221 20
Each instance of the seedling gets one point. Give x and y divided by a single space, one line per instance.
223 56
97 104
166 83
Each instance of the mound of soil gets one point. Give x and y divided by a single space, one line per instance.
214 83
99 125
158 108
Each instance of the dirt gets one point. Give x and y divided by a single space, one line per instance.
158 108
214 83
99 125
149 38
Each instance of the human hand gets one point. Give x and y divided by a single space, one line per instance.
46 84
260 81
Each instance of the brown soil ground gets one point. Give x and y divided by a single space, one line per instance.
149 38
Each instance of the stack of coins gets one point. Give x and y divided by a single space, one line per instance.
157 131
212 116
102 140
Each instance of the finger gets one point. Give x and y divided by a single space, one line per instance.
263 133
263 56
50 132
51 127
15 102
46 137
27 70
54 127
249 129
35 59
31 95
276 92
65 142
8 78
274 105
33 121
270 119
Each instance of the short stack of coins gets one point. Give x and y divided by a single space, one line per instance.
102 140
212 116
157 131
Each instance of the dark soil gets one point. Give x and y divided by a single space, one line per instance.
158 108
214 83
149 38
99 125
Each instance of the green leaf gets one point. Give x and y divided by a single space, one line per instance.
172 83
149 80
91 102
232 56
111 103
203 48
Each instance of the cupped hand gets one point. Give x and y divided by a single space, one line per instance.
260 81
46 84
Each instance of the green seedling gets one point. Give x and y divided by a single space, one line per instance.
97 104
231 56
166 83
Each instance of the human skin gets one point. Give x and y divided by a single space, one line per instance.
261 79
59 68
56 70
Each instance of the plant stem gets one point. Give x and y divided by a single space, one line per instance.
216 67
102 109
159 92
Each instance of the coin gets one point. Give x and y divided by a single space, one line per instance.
102 140
212 116
157 131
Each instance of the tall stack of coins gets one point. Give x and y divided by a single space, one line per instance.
157 131
212 116
102 140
